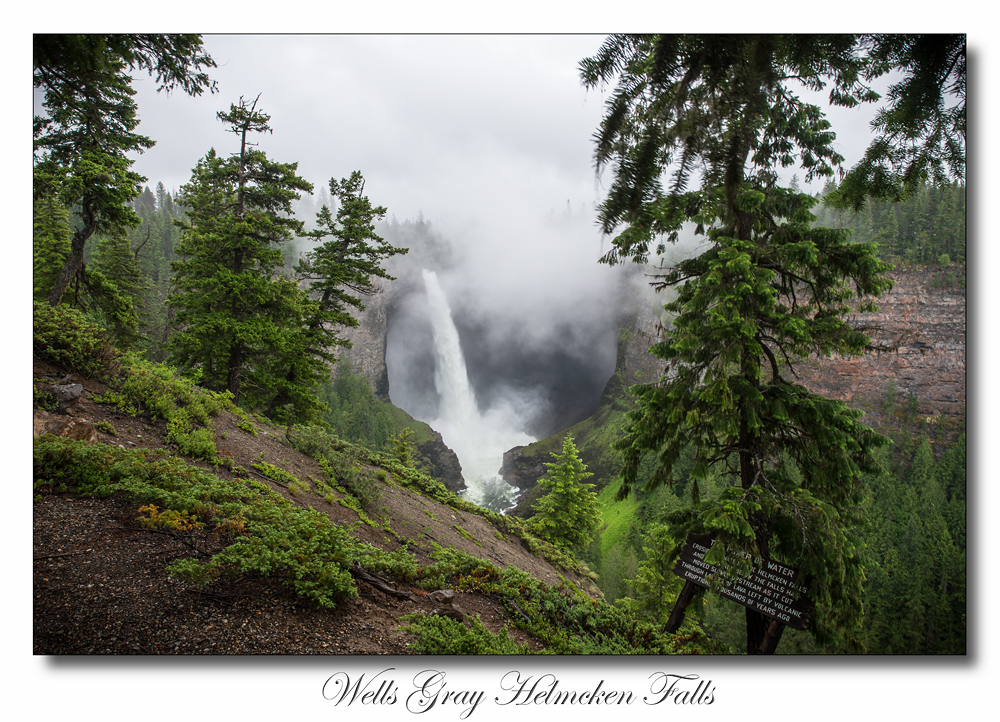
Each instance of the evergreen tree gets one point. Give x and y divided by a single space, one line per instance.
353 412
403 448
952 476
51 241
232 316
928 223
655 588
769 290
161 196
921 130
116 283
337 274
568 515
145 204
348 259
915 589
82 143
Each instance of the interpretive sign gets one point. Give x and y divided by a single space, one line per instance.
771 588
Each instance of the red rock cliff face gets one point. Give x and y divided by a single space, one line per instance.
928 322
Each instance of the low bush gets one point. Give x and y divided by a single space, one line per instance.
269 535
563 618
273 473
443 635
158 390
344 463
106 427
44 400
65 336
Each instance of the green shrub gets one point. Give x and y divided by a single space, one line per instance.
359 483
317 442
273 473
302 544
196 442
444 635
106 427
160 391
272 537
64 335
342 462
563 618
44 400
112 398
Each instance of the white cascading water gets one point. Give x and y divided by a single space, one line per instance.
478 439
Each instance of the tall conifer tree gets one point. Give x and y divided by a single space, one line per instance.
569 514
769 290
83 140
51 243
345 265
337 274
116 284
229 312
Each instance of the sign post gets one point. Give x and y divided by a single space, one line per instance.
771 588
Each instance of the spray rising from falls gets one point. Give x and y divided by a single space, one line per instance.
479 439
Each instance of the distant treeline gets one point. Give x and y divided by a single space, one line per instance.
928 227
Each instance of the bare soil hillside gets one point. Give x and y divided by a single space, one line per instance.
100 585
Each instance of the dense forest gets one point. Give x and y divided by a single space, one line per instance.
914 542
926 228
223 284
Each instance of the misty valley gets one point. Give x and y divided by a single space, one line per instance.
503 434
485 392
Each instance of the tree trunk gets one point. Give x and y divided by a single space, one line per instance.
680 607
771 638
233 371
757 625
75 261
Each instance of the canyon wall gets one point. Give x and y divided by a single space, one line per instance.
925 321
367 353
923 318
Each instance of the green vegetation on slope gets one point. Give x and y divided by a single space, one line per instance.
914 545
240 526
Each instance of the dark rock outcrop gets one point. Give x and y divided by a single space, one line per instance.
521 470
443 463
66 395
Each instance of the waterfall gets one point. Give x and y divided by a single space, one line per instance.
457 400
479 439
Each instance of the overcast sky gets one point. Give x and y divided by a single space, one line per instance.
447 124
478 126
467 126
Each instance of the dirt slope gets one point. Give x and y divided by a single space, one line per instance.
100 585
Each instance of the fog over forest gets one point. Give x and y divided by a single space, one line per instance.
488 139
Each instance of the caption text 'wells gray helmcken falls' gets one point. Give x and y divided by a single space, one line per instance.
430 689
